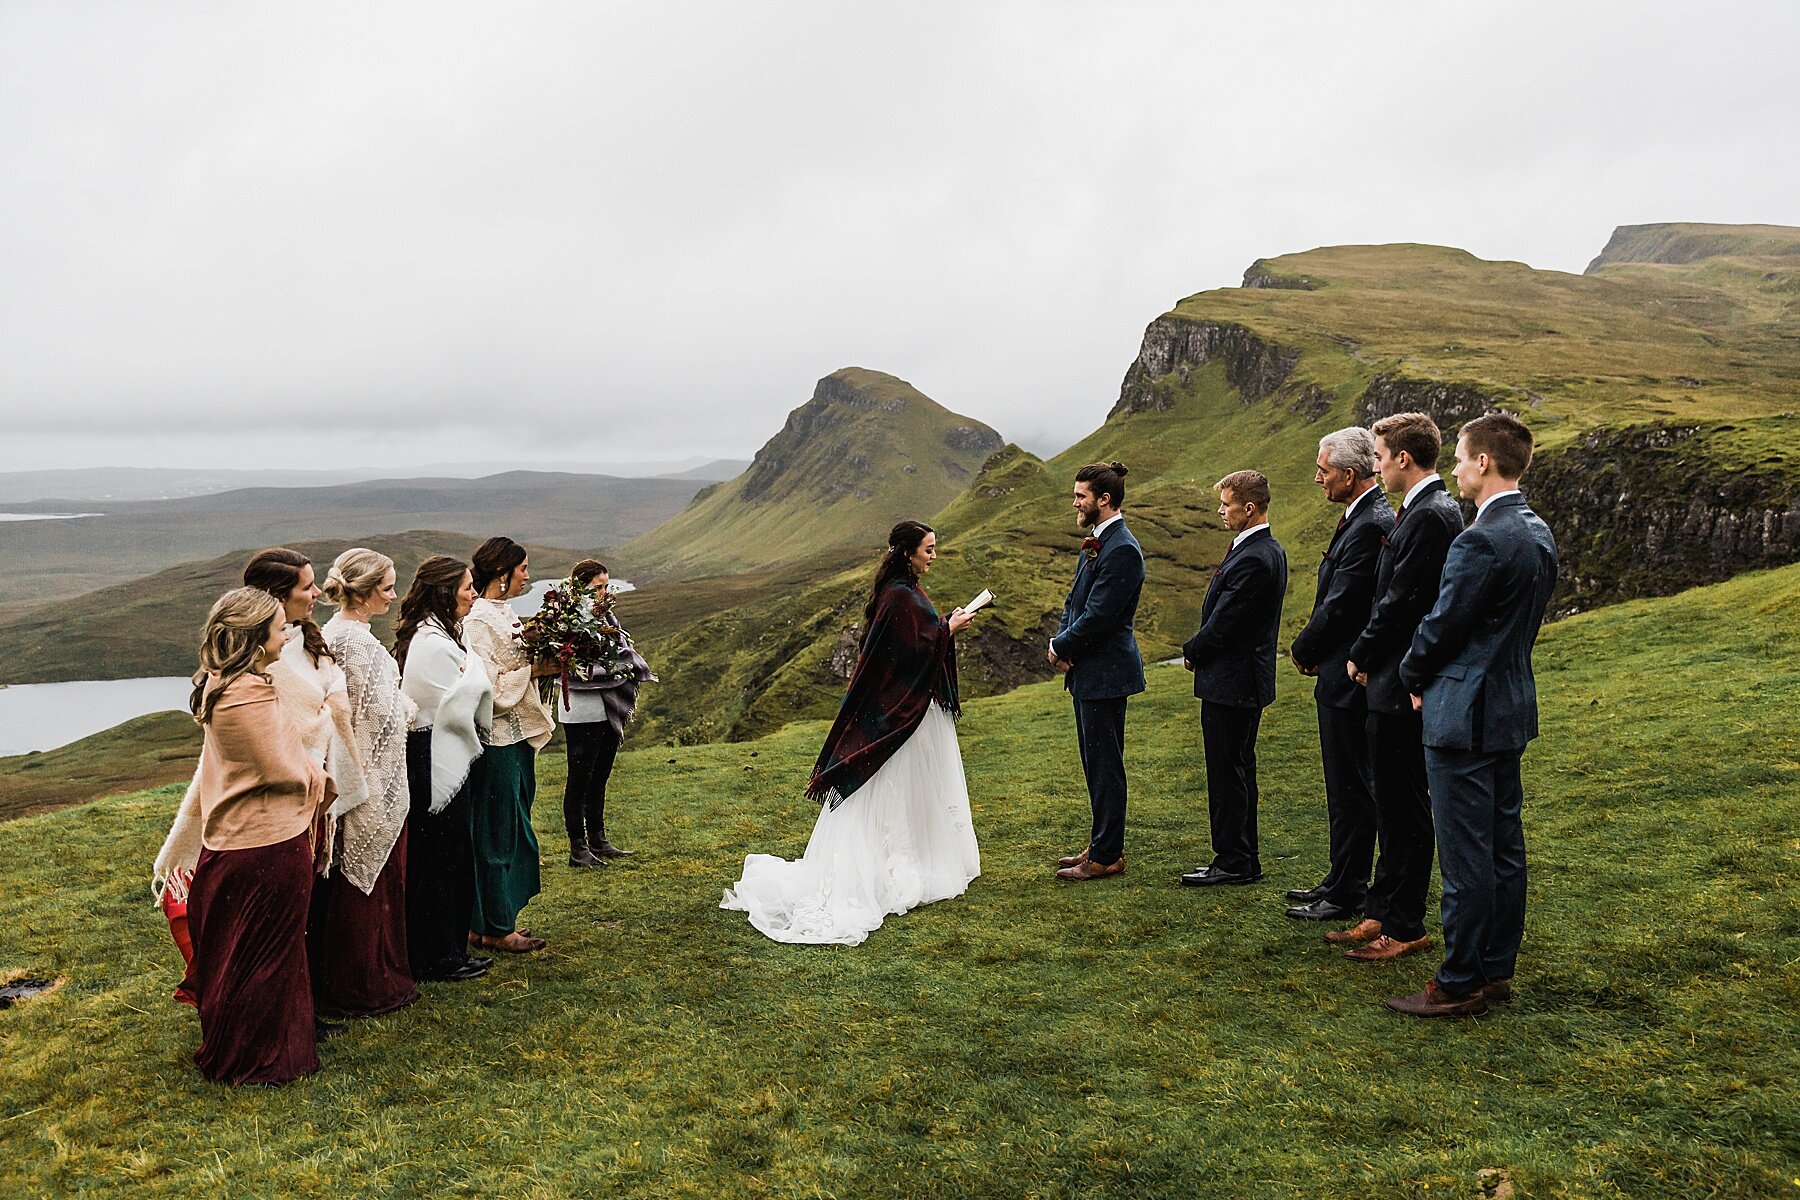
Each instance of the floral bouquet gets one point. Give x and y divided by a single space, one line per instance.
572 633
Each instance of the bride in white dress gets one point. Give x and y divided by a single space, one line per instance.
893 830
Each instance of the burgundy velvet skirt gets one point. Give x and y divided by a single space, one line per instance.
357 943
247 916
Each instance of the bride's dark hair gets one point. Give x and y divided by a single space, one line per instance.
903 539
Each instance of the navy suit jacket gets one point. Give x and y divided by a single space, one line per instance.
1471 659
1095 632
1406 586
1233 654
1342 601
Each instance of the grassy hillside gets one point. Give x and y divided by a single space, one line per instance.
144 752
867 450
152 626
1129 1039
51 560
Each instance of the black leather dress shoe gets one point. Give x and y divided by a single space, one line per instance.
1321 910
1306 895
1208 876
457 970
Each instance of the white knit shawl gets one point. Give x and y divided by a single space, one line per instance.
379 712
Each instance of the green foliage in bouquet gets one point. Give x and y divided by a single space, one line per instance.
573 631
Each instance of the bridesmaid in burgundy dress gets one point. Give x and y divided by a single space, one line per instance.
261 797
357 939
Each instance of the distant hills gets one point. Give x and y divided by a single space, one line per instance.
1663 386
50 560
151 626
94 485
864 452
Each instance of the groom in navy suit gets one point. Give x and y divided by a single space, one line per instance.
1469 672
1097 653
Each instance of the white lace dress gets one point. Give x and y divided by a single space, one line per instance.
901 840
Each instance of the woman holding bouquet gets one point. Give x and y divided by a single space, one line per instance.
260 798
894 830
357 936
453 700
601 696
504 782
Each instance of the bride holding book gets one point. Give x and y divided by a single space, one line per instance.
893 830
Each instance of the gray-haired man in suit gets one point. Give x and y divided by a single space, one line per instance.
1469 671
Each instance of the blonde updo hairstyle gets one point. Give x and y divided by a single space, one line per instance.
355 575
231 645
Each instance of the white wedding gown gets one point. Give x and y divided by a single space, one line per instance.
902 839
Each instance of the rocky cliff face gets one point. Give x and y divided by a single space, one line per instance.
1636 512
1451 405
1175 346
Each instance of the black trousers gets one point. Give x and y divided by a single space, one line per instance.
440 867
1100 729
1229 735
593 746
1476 799
1349 802
1403 819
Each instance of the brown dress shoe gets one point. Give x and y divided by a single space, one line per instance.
1365 930
1434 1001
1385 949
1072 860
1497 992
1084 871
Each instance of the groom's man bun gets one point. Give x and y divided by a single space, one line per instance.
1105 479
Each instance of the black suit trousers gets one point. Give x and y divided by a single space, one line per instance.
440 867
1349 802
593 746
1100 728
1229 735
1476 799
1403 818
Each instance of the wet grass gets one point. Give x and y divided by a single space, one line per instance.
1029 1039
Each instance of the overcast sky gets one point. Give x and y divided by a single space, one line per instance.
385 233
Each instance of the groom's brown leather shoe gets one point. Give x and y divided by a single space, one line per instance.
1082 872
1073 860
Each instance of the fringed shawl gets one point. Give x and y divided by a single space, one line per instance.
908 660
371 820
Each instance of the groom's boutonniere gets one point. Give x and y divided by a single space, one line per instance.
1091 547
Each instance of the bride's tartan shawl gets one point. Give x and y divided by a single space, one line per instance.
908 660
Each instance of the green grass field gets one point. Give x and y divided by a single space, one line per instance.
1126 1038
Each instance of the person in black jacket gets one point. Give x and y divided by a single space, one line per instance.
1406 586
1097 653
1232 657
1469 673
1346 591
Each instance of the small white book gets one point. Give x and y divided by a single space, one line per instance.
980 602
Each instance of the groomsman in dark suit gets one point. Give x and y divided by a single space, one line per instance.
1469 672
1341 603
1233 661
1406 586
1097 653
